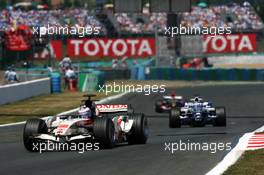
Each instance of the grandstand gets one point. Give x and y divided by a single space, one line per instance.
238 17
241 17
35 18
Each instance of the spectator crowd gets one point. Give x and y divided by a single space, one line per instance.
9 18
238 17
146 22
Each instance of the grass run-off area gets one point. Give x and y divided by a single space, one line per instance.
41 106
251 163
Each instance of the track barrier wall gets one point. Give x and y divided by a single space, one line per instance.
116 74
20 91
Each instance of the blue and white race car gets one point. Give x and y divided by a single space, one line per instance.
197 112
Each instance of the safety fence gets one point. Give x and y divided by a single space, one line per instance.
216 74
92 80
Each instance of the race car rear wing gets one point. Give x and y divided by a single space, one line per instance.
108 108
170 97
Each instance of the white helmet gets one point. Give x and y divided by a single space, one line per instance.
85 112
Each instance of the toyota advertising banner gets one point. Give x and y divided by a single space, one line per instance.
113 48
96 48
232 43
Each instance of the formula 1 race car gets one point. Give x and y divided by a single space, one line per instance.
168 102
106 124
196 112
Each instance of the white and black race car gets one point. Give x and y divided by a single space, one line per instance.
108 125
197 112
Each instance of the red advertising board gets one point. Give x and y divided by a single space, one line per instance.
230 43
56 49
111 47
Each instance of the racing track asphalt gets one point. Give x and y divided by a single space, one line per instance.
244 105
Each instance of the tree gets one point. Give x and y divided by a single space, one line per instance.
3 4
67 3
77 3
47 2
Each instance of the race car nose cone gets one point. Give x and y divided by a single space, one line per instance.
198 115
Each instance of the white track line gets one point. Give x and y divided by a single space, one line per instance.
104 100
234 154
23 83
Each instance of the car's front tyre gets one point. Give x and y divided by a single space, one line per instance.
158 105
220 119
174 118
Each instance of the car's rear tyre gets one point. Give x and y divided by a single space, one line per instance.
220 119
130 110
174 119
139 131
104 132
32 128
157 106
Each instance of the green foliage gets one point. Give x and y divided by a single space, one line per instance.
67 3
47 2
77 3
2 4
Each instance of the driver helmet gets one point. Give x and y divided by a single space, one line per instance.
85 112
196 99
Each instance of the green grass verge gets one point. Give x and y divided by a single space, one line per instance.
251 163
41 106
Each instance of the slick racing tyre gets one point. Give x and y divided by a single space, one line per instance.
32 128
139 131
157 106
104 132
174 119
220 119
130 109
